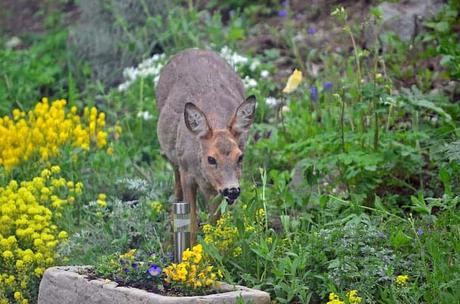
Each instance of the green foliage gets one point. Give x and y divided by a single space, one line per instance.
28 74
444 38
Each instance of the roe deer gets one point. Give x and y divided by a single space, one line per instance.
203 125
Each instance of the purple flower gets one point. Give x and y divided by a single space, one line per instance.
420 231
314 93
327 85
126 270
134 265
282 13
311 30
154 270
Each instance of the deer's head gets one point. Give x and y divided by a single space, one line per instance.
221 153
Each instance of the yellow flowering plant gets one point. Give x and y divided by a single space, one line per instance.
228 237
42 132
401 280
194 272
223 235
352 297
29 234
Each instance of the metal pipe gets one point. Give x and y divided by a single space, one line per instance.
181 229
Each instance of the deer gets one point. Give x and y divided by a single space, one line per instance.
203 125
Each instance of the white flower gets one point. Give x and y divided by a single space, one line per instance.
264 73
254 64
149 67
124 86
271 101
144 115
285 109
249 82
233 58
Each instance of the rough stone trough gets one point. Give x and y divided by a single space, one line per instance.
66 285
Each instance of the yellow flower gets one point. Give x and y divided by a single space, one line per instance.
353 298
157 206
401 280
334 299
38 271
101 203
187 254
7 254
17 295
55 169
237 252
293 81
63 235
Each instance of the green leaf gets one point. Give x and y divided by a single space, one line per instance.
399 239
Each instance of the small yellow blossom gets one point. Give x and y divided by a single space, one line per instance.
293 82
63 235
401 280
157 206
17 295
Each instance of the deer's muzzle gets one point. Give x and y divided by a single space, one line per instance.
231 194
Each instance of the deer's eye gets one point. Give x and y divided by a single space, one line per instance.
212 160
240 159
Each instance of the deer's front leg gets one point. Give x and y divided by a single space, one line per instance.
189 192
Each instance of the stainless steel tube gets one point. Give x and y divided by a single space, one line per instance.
181 229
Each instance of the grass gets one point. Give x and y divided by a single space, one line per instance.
344 189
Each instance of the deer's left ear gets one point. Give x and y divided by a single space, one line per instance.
243 117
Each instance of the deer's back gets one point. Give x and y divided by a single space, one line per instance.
193 74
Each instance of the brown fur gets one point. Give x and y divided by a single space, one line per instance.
203 113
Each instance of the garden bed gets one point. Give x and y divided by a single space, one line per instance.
71 285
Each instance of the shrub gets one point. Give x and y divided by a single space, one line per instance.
39 134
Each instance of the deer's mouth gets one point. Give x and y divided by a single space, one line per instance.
231 194
230 201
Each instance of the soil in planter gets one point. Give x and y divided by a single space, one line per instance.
148 286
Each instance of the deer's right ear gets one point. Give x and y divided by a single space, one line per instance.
195 120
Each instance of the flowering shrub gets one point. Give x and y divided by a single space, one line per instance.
44 130
193 272
28 233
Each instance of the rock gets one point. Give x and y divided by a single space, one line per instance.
65 285
404 18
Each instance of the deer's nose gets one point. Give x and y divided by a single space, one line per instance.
231 194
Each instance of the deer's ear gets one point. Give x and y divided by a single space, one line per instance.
195 120
243 117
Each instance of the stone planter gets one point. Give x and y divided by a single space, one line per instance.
65 285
